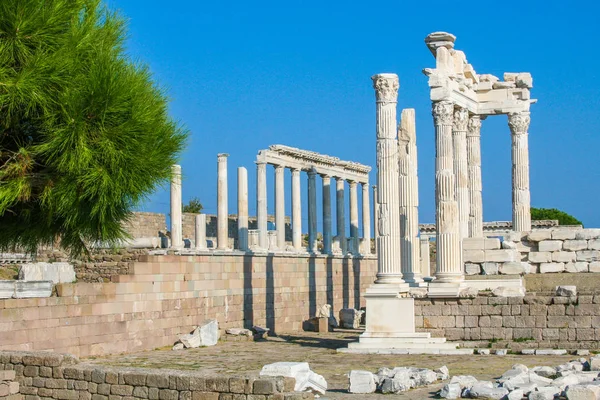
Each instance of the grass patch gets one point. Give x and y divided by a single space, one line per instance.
9 272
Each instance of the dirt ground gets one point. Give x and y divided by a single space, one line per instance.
318 349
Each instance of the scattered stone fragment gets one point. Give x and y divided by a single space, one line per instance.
395 385
442 373
451 391
206 334
583 392
362 382
550 352
350 318
595 363
306 380
239 332
516 394
486 390
503 291
501 352
528 352
178 346
566 291
484 352
582 352
465 381
546 372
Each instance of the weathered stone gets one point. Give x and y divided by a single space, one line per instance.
565 381
503 291
578 266
58 272
514 268
489 268
350 318
442 373
178 346
594 266
539 235
575 245
465 381
583 392
362 382
486 390
539 257
566 291
472 269
551 267
451 391
239 332
586 234
595 363
546 372
395 385
516 394
564 234
588 255
564 256
206 334
550 352
550 245
30 289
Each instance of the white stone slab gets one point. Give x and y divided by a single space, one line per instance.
566 290
574 245
30 289
550 245
59 272
578 266
362 382
514 268
585 234
539 235
7 289
551 267
503 255
550 352
206 334
540 257
564 256
588 255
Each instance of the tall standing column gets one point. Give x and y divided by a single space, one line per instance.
222 214
366 218
475 185
354 216
448 243
375 214
312 211
461 170
176 223
340 214
326 214
242 209
425 257
388 196
200 236
409 197
261 204
519 124
296 211
280 206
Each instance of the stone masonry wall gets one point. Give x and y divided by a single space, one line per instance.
166 296
543 321
146 224
52 376
556 250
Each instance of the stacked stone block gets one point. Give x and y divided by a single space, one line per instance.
533 321
166 296
9 388
52 376
556 250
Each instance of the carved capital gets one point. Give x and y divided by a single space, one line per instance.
442 112
519 122
386 87
474 126
461 119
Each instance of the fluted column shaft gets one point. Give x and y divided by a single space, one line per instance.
340 213
261 205
176 223
375 214
326 214
296 210
354 216
200 234
448 244
366 218
475 184
222 200
312 211
461 170
409 197
280 206
242 209
519 124
425 257
388 221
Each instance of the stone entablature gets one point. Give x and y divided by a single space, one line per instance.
305 160
495 226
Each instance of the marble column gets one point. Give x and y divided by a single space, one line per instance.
519 124
425 257
475 185
200 236
242 209
409 198
375 214
448 243
176 206
261 205
280 206
326 214
354 215
312 211
366 218
340 214
388 197
461 170
296 211
222 213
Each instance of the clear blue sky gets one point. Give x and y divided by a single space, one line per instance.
244 75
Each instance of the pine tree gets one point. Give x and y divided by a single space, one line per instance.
84 131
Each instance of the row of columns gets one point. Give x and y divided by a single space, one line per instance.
459 210
328 238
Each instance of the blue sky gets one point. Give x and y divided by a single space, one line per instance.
244 75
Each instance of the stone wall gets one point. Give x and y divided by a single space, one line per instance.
146 224
166 296
48 376
533 321
556 250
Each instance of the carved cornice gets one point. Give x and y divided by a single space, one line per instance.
474 126
461 119
519 123
386 87
442 112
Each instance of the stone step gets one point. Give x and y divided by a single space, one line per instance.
442 351
404 344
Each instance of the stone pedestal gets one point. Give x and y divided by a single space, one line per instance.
176 220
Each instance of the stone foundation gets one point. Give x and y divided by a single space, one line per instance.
51 376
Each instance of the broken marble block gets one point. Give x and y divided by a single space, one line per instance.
306 380
451 391
362 382
566 291
239 332
206 334
58 272
350 318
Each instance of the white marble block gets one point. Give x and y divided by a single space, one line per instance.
7 289
59 272
29 289
362 382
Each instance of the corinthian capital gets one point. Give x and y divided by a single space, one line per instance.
461 118
386 87
442 112
518 122
474 126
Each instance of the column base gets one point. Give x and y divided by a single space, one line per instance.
389 279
